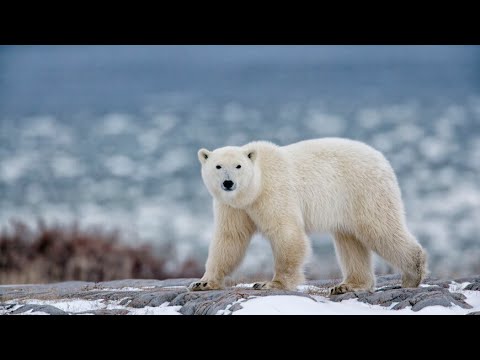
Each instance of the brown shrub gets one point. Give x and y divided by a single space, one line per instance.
60 253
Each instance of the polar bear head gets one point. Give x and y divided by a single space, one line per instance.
231 175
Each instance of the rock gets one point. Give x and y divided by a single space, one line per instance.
323 283
236 307
210 302
105 312
417 298
389 280
49 309
469 279
124 296
473 286
421 300
204 303
156 298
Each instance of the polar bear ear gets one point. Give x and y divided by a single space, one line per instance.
203 155
251 154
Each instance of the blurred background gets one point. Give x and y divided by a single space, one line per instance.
99 177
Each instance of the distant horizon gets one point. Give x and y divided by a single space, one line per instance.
96 79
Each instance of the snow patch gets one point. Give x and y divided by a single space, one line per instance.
14 167
66 166
31 312
75 306
457 287
163 309
248 286
115 124
298 305
86 306
119 165
325 124
149 310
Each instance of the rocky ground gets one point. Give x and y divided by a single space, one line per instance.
172 297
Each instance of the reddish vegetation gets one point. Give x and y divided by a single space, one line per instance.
57 253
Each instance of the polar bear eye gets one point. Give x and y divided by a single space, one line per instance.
218 167
239 166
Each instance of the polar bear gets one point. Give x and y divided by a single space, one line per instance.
334 185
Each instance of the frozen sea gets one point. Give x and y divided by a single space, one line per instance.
108 134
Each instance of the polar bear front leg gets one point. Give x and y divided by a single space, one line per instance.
290 246
233 232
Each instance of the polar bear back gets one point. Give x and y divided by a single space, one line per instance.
340 183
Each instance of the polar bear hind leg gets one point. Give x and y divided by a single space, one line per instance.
356 263
402 250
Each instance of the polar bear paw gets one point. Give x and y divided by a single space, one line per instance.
268 285
345 288
204 286
340 289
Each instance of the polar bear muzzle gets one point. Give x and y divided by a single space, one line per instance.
228 185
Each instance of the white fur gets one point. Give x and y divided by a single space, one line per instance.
331 185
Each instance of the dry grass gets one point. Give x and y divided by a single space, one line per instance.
53 253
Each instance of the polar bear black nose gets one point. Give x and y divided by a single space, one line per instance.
227 184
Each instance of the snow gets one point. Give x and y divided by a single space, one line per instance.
163 309
456 287
74 305
148 141
245 285
182 157
325 124
31 312
120 165
116 124
321 305
15 167
66 166
85 306
299 305
47 128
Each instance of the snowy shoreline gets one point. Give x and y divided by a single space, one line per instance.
171 297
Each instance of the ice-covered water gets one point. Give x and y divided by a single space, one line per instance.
109 135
